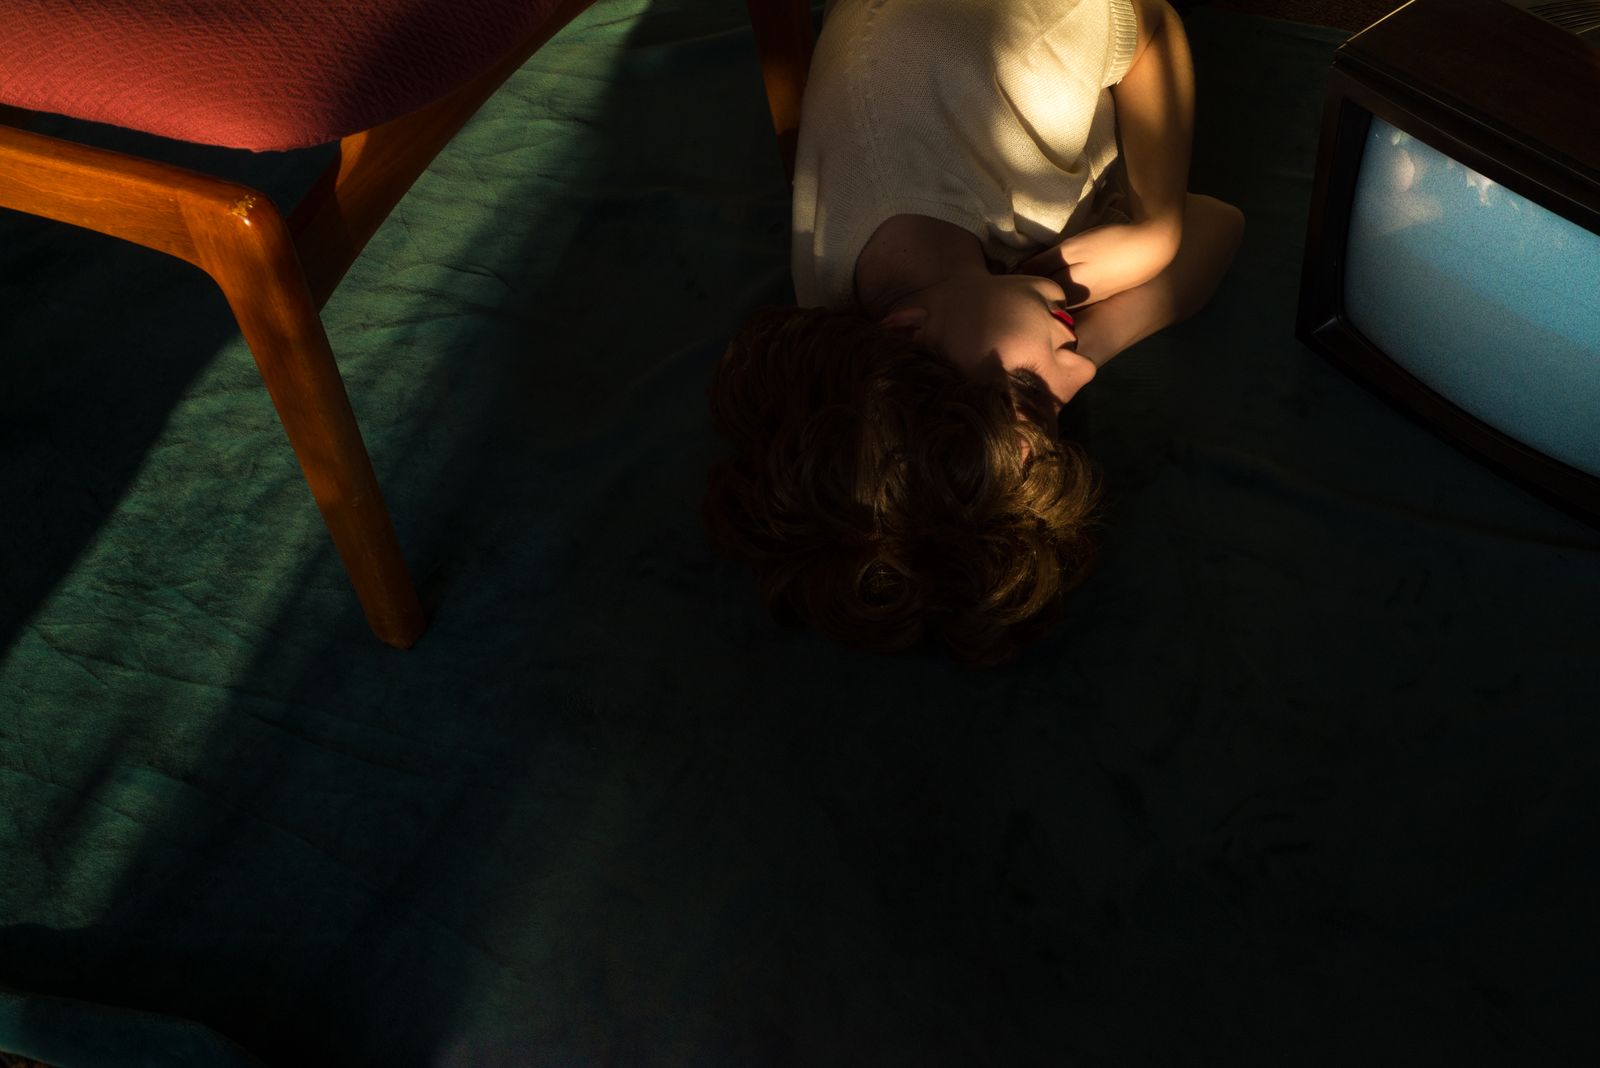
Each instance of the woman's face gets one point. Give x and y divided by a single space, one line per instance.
1002 324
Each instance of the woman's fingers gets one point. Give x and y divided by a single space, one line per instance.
1081 246
1043 263
1102 261
1077 294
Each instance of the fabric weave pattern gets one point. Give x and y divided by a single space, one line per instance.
273 74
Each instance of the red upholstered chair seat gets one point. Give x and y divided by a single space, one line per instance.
391 81
257 74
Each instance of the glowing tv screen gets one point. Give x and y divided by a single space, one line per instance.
1453 249
1478 292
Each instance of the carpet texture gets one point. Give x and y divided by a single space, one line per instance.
1304 776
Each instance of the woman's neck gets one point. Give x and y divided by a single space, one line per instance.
910 253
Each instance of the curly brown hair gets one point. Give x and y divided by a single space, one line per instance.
886 498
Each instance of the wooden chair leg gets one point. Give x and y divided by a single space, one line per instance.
376 167
236 235
784 40
248 250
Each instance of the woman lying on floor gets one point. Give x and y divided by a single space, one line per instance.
969 249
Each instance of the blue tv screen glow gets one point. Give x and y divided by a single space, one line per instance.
1490 300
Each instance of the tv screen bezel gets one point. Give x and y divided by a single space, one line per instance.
1355 95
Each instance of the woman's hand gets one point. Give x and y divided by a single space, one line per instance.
1106 260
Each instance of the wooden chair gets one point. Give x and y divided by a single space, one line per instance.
390 84
784 38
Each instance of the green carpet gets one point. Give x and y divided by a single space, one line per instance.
1306 767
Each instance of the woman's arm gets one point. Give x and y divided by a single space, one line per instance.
1155 122
1212 230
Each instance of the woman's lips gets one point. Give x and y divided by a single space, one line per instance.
1063 316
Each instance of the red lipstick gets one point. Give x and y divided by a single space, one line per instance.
1063 316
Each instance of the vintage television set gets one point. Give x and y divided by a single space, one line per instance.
1452 258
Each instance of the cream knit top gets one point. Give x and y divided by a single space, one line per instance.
992 115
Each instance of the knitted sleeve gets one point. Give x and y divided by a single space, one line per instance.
1124 40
